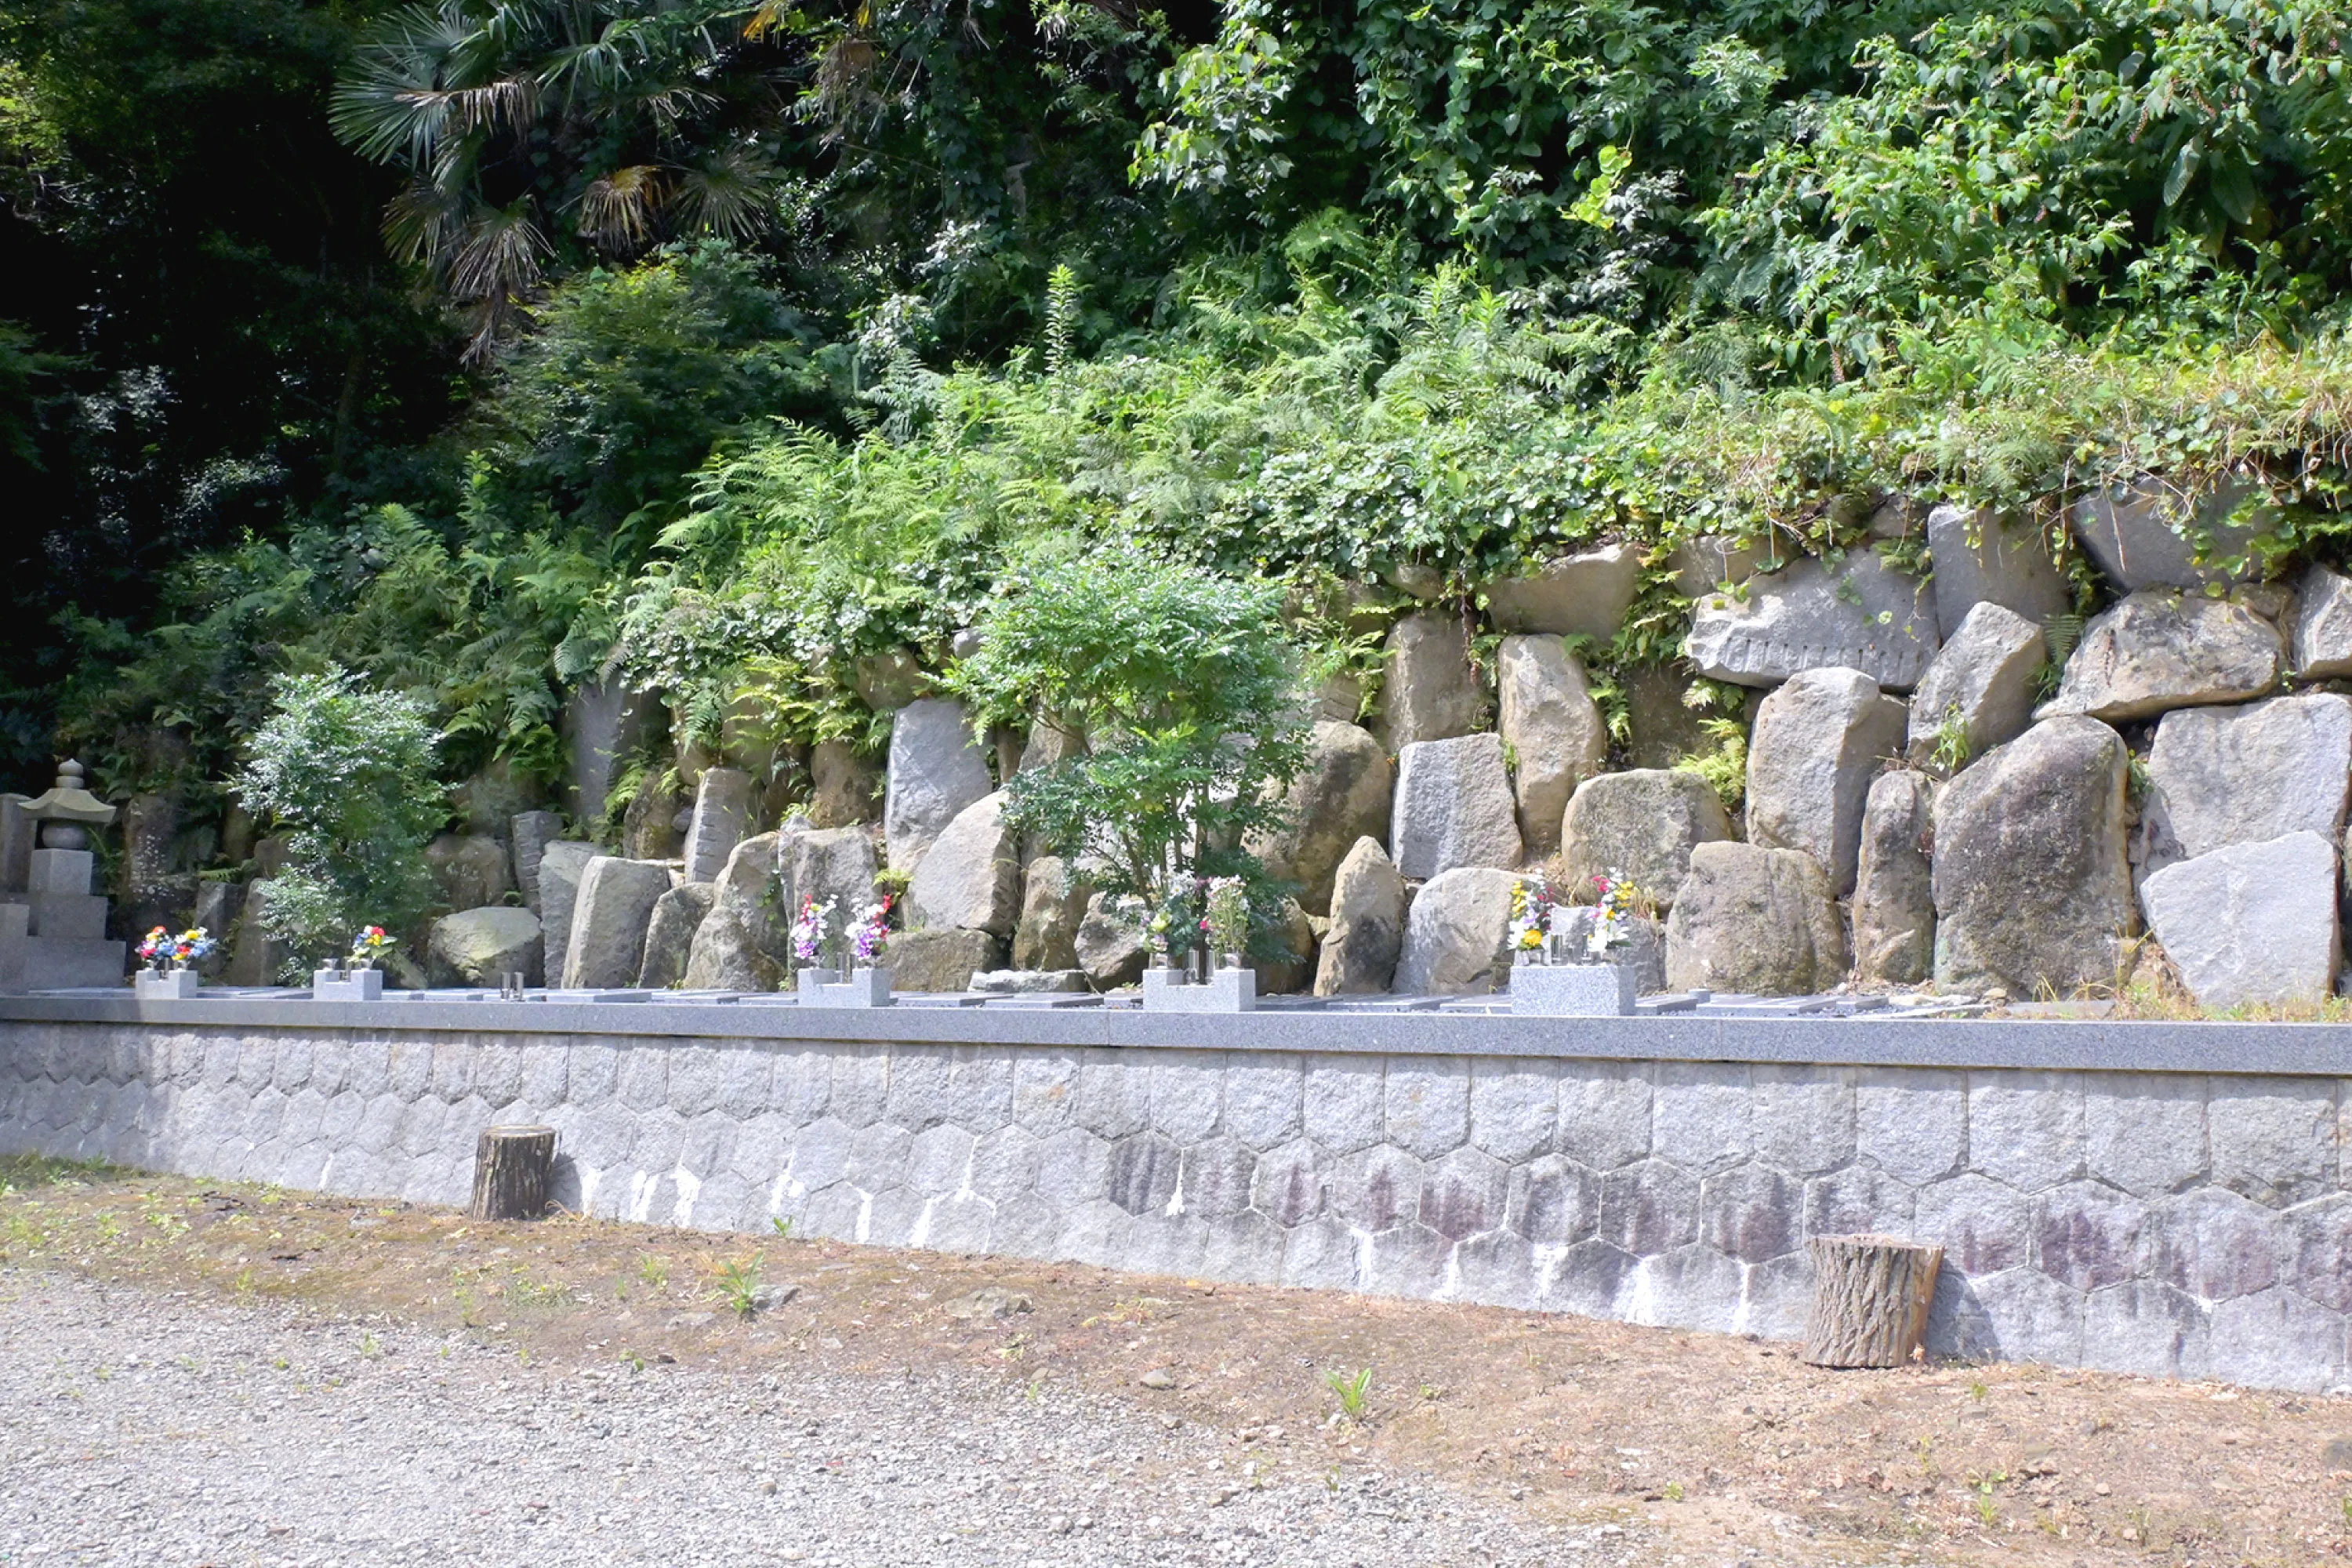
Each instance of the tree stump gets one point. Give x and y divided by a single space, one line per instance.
1870 1300
512 1170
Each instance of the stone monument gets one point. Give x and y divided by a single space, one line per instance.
52 927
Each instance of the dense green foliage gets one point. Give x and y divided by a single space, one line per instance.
347 775
1177 694
494 347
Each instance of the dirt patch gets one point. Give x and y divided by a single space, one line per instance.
1728 1444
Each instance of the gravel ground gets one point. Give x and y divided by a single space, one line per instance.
136 1427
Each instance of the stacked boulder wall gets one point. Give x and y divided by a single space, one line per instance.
1894 891
744 942
1368 915
2159 649
560 865
1112 948
530 834
1818 741
2219 776
1982 558
1642 825
1053 903
616 905
669 935
972 876
942 960
2032 885
2252 923
1582 595
936 770
1860 614
1982 683
1457 933
1755 921
1453 807
1432 691
482 947
1345 791
1553 729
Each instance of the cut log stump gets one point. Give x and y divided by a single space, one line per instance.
513 1166
1870 1300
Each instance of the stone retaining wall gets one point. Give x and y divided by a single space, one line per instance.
2172 1224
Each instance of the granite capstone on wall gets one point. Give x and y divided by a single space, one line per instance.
2171 1224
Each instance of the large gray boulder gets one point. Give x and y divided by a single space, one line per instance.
482 947
2252 923
607 945
1982 683
649 828
1642 825
1585 595
942 959
1456 933
255 957
470 870
2148 534
1553 730
1366 933
2219 776
2032 887
1345 791
1053 903
834 864
971 876
722 813
1981 558
1112 950
888 682
530 832
1432 693
1859 615
2323 625
2159 649
936 770
744 942
1292 969
1818 741
842 786
1453 807
560 865
603 725
1756 921
669 935
1895 890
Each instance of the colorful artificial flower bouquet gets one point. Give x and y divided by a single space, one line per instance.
163 950
1531 920
1618 901
367 945
872 932
808 932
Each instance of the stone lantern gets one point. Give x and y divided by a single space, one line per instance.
52 927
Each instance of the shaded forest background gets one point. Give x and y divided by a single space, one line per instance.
495 349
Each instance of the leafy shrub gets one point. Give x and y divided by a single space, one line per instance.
347 774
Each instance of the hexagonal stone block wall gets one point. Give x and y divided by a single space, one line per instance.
2180 1224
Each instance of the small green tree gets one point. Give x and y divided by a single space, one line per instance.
347 773
1187 696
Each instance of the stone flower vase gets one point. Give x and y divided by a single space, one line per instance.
1572 990
862 988
168 985
347 986
1229 990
